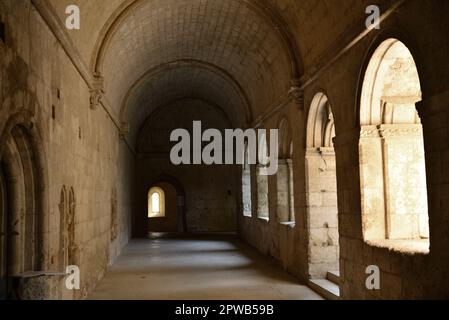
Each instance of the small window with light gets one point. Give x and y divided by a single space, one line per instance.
156 203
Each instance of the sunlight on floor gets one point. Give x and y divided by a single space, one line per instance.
201 268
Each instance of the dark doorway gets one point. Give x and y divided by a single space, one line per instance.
163 209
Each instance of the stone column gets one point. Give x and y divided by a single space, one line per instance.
283 201
246 192
291 190
404 181
262 193
372 183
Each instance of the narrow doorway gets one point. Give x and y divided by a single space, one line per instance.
163 208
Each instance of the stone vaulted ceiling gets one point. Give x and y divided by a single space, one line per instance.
235 54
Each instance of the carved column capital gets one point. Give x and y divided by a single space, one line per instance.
297 94
95 98
124 129
96 92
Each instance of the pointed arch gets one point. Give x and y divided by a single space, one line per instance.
25 173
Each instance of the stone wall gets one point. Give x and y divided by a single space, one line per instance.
82 147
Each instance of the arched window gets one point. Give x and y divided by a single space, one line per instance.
246 184
25 214
320 124
284 176
321 189
156 203
262 180
392 162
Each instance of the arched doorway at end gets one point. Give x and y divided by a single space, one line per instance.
166 206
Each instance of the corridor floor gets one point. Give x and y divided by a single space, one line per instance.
212 267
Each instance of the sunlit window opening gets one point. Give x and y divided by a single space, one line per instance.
262 182
321 189
392 161
284 177
156 203
246 185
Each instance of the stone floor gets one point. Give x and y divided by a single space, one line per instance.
197 268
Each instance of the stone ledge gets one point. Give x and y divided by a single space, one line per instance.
409 247
290 224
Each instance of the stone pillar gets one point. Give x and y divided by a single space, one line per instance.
346 146
405 181
372 183
322 211
291 190
435 120
283 201
246 192
262 193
